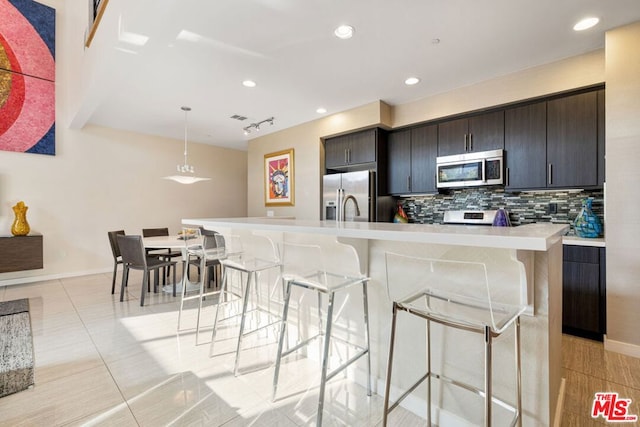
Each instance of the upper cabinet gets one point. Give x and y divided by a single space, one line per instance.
482 132
557 143
572 141
525 144
601 136
352 149
412 160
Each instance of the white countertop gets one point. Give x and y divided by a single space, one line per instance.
584 241
537 237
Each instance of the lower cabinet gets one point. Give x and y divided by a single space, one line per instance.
584 291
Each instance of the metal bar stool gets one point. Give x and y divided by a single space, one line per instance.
456 294
208 250
303 266
248 256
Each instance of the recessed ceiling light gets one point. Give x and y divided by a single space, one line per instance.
412 81
249 83
344 32
321 110
586 23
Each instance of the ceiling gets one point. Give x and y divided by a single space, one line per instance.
152 57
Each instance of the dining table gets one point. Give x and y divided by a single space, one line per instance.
176 242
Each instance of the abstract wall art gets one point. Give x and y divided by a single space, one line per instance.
27 77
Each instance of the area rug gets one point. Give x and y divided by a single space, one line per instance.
16 347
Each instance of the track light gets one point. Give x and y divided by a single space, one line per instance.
256 126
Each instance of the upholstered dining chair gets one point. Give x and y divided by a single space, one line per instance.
135 257
117 258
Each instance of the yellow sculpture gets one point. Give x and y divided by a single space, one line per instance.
20 225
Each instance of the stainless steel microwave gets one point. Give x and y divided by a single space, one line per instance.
470 169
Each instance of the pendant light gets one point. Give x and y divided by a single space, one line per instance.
187 172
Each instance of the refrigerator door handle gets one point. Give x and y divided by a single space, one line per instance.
339 204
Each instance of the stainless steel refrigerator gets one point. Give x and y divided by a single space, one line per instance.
349 196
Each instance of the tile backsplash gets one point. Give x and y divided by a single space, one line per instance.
523 207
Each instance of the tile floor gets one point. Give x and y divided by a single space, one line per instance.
103 362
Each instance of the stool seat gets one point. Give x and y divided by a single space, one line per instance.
464 312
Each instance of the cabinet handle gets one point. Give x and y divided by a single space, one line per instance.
346 159
349 155
550 173
465 142
409 183
507 177
470 142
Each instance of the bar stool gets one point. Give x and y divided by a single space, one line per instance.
304 267
250 256
456 294
208 249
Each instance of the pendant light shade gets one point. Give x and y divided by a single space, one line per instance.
187 171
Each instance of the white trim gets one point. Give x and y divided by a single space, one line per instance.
32 279
622 347
560 404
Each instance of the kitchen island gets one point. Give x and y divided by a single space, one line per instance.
538 247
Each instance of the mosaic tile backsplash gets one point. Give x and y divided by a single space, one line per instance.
523 208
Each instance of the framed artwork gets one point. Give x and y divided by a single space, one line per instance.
279 189
27 77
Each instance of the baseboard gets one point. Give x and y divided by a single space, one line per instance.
622 347
557 422
33 279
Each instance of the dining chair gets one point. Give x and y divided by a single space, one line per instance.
117 258
134 257
164 254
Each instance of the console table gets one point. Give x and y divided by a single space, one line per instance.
21 252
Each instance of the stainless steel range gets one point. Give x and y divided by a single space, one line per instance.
470 217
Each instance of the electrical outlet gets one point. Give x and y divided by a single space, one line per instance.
553 208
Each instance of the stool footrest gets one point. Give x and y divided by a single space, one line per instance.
460 384
346 364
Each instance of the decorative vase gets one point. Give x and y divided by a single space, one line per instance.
20 225
400 216
502 218
587 224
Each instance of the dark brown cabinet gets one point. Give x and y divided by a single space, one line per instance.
584 291
481 132
572 141
525 144
601 136
352 149
399 156
21 253
412 160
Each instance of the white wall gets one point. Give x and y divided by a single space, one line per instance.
622 189
570 73
102 179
